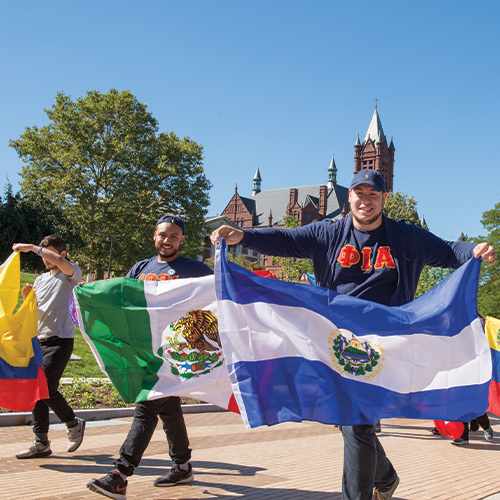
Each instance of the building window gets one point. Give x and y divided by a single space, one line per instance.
242 223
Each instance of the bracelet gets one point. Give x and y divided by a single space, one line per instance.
39 250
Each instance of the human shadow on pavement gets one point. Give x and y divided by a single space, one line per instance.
151 467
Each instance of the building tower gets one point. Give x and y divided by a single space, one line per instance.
256 182
374 153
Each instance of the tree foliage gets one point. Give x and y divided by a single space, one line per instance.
103 163
400 206
292 269
241 260
28 220
488 299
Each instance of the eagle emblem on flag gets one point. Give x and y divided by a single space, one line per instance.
194 348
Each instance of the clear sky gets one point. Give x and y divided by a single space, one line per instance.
281 85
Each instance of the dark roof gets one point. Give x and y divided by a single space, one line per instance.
276 201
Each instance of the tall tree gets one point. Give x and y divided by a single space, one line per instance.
400 206
488 299
29 219
102 161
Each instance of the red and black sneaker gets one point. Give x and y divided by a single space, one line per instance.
111 486
175 476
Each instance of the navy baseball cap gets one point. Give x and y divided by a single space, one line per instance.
370 177
174 219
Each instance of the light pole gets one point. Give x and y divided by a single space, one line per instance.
111 240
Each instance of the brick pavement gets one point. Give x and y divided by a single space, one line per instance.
285 462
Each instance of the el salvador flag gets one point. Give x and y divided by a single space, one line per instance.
299 352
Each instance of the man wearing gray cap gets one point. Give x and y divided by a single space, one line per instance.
370 256
168 264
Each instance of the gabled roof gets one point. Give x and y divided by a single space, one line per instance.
276 201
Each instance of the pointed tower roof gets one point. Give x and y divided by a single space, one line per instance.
332 165
357 142
375 131
256 177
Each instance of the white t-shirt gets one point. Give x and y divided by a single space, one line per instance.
52 296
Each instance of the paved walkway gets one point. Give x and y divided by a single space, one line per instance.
285 462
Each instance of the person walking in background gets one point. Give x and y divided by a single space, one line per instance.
56 334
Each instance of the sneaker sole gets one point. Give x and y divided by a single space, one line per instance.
116 496
186 480
71 449
36 455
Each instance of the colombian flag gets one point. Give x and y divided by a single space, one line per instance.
22 380
493 335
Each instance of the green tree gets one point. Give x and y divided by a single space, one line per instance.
400 206
292 269
488 299
241 260
29 219
103 163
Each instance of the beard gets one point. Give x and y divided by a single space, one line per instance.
368 222
167 253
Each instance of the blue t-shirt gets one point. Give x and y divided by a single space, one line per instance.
365 266
182 267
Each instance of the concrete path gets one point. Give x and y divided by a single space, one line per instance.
285 462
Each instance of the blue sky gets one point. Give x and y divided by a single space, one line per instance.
280 85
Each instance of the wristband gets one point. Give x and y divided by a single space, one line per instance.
39 250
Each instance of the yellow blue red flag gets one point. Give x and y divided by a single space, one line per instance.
492 329
22 379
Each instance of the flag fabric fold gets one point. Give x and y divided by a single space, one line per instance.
492 330
22 379
156 338
297 352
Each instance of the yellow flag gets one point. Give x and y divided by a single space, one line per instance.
16 330
10 279
492 330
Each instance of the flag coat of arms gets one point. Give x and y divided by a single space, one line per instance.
156 338
22 379
492 330
299 352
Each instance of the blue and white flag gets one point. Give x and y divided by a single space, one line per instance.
298 352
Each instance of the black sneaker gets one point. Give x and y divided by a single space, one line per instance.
111 486
175 476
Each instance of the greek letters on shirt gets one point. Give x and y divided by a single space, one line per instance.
349 256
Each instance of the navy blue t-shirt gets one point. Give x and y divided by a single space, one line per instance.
182 267
365 267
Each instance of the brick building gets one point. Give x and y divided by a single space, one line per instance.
267 208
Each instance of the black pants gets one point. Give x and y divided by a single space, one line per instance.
144 424
483 421
56 353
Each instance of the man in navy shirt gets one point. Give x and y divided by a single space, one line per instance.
370 256
168 264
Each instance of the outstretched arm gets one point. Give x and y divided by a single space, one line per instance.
47 255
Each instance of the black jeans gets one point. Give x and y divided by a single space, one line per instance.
56 353
483 421
144 424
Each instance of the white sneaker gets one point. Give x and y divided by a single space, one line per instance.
35 450
75 435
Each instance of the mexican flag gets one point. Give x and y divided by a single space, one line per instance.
156 338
